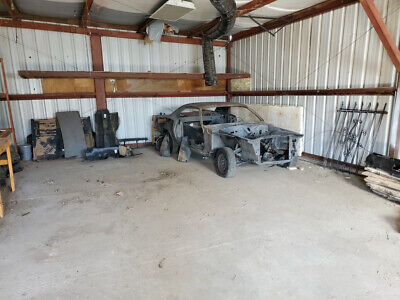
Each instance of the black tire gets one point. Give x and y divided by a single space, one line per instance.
225 162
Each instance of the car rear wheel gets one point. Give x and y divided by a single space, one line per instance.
225 162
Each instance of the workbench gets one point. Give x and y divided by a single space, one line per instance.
5 143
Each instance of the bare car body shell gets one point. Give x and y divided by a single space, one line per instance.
208 130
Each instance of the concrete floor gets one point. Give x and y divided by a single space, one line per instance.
152 228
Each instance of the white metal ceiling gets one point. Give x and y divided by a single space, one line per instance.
135 11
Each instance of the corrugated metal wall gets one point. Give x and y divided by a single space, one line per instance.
44 50
123 55
336 50
41 50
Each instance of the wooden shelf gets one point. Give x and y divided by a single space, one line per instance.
122 75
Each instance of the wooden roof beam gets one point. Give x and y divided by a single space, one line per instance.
12 10
304 14
241 11
382 31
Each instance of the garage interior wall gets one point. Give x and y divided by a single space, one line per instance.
339 49
25 49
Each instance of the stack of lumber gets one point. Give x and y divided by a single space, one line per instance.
383 184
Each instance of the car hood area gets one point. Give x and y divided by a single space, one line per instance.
250 130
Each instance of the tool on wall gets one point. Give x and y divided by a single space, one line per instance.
8 103
352 133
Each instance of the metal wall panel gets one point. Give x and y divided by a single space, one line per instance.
41 50
123 55
338 49
44 50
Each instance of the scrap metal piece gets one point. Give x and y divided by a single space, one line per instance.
184 150
72 133
165 150
102 153
353 134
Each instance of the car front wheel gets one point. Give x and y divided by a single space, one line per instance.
225 162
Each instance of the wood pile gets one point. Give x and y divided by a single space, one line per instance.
383 184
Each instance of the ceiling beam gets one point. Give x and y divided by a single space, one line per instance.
241 11
306 13
252 6
86 12
73 21
99 31
382 31
12 10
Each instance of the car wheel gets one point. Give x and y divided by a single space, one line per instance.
225 162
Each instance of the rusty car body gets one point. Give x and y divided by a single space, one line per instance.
219 131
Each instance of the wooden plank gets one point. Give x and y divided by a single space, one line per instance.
388 91
167 94
386 191
141 85
383 32
27 74
386 196
240 85
67 85
86 85
383 183
10 169
381 173
5 132
4 144
102 32
190 85
306 13
386 176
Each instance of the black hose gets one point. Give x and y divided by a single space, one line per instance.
227 9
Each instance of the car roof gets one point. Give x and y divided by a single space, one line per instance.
212 104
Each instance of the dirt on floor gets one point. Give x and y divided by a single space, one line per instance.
149 227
